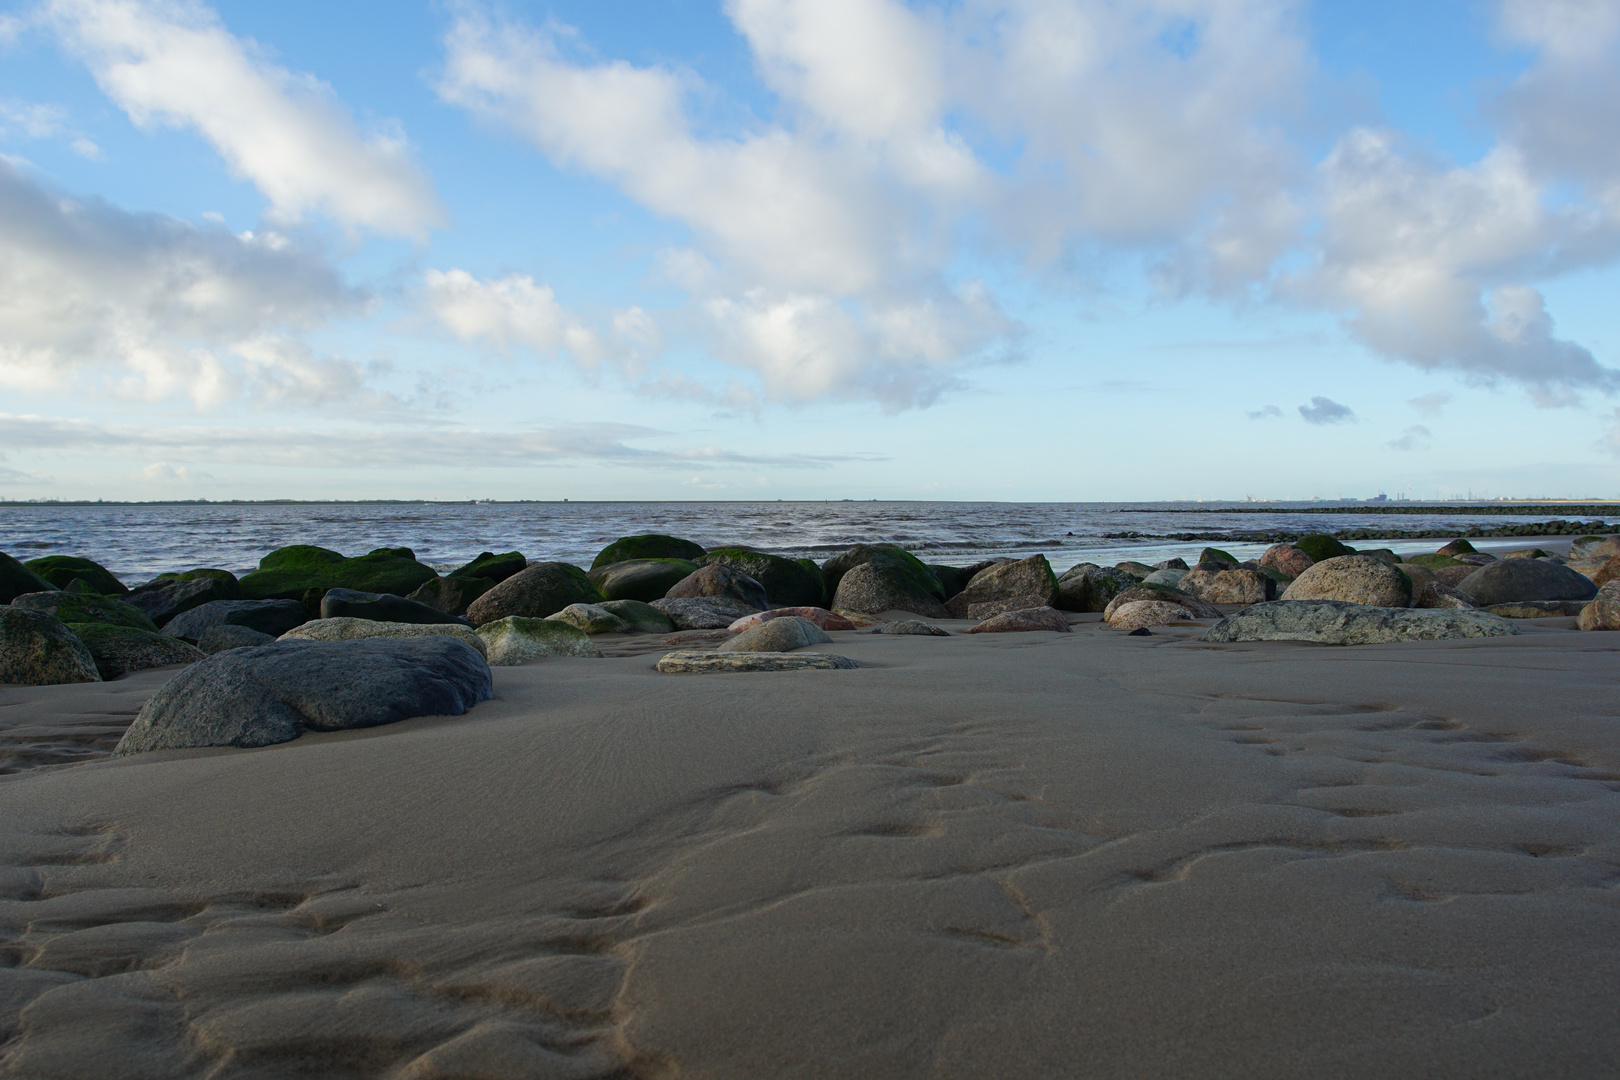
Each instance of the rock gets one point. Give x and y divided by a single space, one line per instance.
912 626
1135 569
291 573
973 570
37 649
1434 562
228 636
1234 585
680 663
273 617
918 577
1140 614
85 608
1607 572
1009 586
647 546
63 570
542 589
451 594
1509 581
591 618
1420 575
17 580
1088 587
1529 553
1211 554
823 618
1195 608
1172 564
777 636
1437 594
1286 559
1457 547
273 694
953 579
383 607
1595 548
723 582
1476 559
1320 546
703 612
1452 575
1023 619
1538 609
1335 622
161 599
1602 612
641 579
491 567
698 637
1168 576
639 618
346 628
1383 555
884 583
118 649
1354 579
515 639
787 583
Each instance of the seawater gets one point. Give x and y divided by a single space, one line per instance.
138 542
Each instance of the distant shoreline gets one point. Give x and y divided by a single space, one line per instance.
1494 506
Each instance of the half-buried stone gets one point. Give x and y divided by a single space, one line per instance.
343 628
1538 609
639 618
1334 622
273 617
682 663
226 636
1137 614
258 697
704 612
517 640
1021 620
826 620
591 618
720 581
912 627
641 579
379 607
778 635
542 589
886 583
1089 587
1230 585
1437 594
37 649
119 650
1354 579
1195 608
1008 586
1510 581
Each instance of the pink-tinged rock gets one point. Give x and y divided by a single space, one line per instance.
1139 613
697 637
1286 559
1603 611
1452 575
823 618
1033 618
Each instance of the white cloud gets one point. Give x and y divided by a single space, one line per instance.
1416 437
1431 403
1323 410
1270 412
30 119
171 62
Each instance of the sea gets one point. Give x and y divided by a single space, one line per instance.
139 541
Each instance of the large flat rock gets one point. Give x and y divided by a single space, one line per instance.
1335 622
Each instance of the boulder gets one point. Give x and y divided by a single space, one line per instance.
1437 594
1286 559
345 628
787 583
1233 585
1530 553
1608 571
1335 622
1595 548
592 619
918 577
777 636
63 570
823 618
1478 558
1538 609
1602 612
1457 547
912 626
17 580
273 694
1195 608
953 579
973 570
1452 575
73 608
720 581
1508 581
1420 576
1088 587
1137 614
1008 586
451 594
684 663
1211 554
542 589
1174 563
37 649
882 583
515 639
1320 546
641 579
1135 569
647 546
119 649
292 573
162 598
1384 555
383 607
273 617
1023 619
491 567
1354 579
1170 576
703 612
639 618
1434 562
227 636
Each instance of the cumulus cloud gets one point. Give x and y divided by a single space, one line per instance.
172 63
1416 437
1323 410
1270 412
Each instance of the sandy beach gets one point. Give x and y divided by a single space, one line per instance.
1016 855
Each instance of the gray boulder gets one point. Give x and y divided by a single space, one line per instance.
1453 575
1140 614
1230 585
912 626
639 618
684 663
226 636
452 594
273 694
517 640
882 583
919 577
1021 620
16 580
1437 594
1174 563
1195 608
720 580
37 649
1602 612
1354 579
641 579
591 618
542 589
273 617
379 607
1511 581
1538 609
778 636
1169 575
1335 622
703 612
345 628
1089 587
1009 586
119 650
164 598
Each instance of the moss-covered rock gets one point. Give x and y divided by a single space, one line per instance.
63 570
542 589
642 618
1008 586
786 582
591 618
953 579
516 640
1458 546
37 649
86 608
119 649
1321 546
919 578
641 579
492 567
16 580
647 546
293 573
1213 554
1433 562
1138 570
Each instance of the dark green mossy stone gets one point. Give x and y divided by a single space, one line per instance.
919 578
640 579
396 552
63 570
1320 546
787 584
86 608
17 580
1211 554
297 572
953 579
492 567
647 546
299 556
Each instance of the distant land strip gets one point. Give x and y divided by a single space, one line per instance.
1513 509
1279 536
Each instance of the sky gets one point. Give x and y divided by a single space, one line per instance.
1064 250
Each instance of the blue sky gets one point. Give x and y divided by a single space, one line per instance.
1031 249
